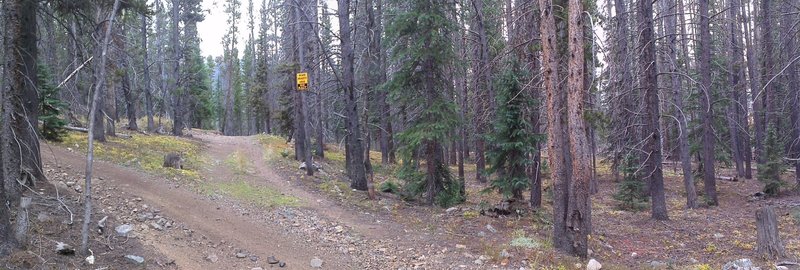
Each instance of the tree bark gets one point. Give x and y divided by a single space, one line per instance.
769 89
652 130
148 94
734 90
707 113
792 71
127 92
99 87
28 134
556 128
357 174
676 82
768 239
177 94
483 88
579 210
18 137
753 82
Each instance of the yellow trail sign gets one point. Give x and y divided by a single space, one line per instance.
302 81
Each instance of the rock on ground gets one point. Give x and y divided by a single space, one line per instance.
594 265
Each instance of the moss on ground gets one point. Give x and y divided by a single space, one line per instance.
145 152
258 195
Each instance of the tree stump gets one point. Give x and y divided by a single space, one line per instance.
21 229
769 243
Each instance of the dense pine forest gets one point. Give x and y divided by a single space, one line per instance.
565 123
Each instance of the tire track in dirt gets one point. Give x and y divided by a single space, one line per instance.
216 221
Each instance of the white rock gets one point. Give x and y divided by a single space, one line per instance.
740 264
594 265
316 262
490 228
124 229
135 259
460 246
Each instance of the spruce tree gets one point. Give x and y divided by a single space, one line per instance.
770 172
511 138
50 107
423 50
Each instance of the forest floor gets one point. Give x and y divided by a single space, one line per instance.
240 200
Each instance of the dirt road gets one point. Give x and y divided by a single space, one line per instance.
220 222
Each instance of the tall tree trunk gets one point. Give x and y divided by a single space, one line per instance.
302 129
27 131
125 80
556 128
148 94
651 129
792 72
625 134
707 114
579 209
734 111
769 90
753 81
669 8
177 94
483 89
20 158
357 174
98 89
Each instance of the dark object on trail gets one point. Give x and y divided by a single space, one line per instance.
756 197
64 249
506 207
173 160
768 240
272 260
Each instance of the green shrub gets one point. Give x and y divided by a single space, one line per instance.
389 187
630 191
770 172
50 107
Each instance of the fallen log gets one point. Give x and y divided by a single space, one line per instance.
79 129
728 178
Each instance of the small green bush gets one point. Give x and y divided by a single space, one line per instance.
770 172
630 191
389 187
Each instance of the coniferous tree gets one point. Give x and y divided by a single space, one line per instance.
51 106
511 138
423 50
770 172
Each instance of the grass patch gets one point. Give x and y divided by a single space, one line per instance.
274 146
144 152
336 188
239 164
260 196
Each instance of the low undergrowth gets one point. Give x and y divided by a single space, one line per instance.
144 152
260 196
